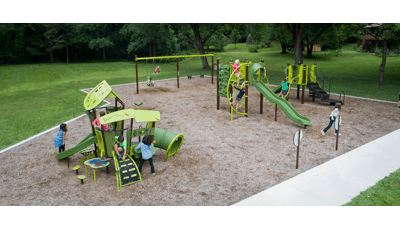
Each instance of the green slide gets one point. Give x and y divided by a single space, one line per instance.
282 103
278 88
86 142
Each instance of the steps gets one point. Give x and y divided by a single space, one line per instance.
320 93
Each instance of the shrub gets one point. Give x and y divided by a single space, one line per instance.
253 49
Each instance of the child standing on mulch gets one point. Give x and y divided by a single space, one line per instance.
332 119
59 140
96 122
398 104
239 96
146 147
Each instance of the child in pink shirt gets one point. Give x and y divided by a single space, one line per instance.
96 122
236 69
157 70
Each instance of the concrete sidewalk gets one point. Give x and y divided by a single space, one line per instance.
337 181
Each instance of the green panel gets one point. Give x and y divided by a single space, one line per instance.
117 116
223 79
97 95
109 137
142 132
146 115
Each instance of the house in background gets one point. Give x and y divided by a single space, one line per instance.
316 47
369 41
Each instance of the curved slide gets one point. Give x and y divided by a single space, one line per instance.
86 142
286 107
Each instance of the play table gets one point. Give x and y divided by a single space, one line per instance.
96 163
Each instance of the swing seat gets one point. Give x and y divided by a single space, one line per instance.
151 85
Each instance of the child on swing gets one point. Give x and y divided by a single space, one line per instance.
157 70
239 96
150 82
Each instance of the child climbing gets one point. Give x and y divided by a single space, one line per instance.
120 148
215 66
236 69
146 147
332 119
150 82
59 140
96 122
239 96
157 70
285 87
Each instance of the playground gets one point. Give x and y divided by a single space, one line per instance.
220 162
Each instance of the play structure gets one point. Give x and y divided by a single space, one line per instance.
177 67
252 74
103 140
303 75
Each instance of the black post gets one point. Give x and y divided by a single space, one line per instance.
137 76
212 69
337 134
218 83
246 100
276 111
298 150
177 73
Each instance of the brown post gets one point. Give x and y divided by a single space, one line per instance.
298 150
287 77
177 68
261 96
230 93
276 111
212 69
104 142
298 86
68 161
137 76
140 139
246 100
94 133
218 83
153 126
302 84
337 134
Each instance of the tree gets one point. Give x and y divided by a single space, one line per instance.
257 32
218 40
54 37
278 31
235 37
199 36
296 31
389 33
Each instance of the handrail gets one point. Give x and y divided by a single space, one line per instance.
324 81
344 96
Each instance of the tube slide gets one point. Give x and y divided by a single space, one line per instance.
286 107
86 142
168 141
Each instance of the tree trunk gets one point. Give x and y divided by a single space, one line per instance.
51 56
154 51
76 56
149 49
283 45
104 53
204 60
235 46
67 54
381 75
309 50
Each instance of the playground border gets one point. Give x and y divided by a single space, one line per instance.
73 119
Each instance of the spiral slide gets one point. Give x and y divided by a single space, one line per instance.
86 142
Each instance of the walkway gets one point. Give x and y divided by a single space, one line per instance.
337 181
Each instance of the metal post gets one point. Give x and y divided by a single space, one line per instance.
218 83
302 84
177 73
287 77
298 86
212 69
153 126
298 150
94 133
246 100
137 76
276 111
261 96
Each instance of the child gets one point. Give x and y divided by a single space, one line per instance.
150 82
120 148
157 70
215 66
146 147
96 122
285 87
239 96
236 69
398 104
332 119
59 140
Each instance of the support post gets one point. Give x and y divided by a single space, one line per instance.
302 84
177 73
212 69
218 83
298 150
287 77
276 111
137 76
246 100
337 134
261 96
94 133
298 86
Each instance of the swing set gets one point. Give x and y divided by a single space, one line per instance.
151 82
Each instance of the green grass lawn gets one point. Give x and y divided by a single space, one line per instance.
385 193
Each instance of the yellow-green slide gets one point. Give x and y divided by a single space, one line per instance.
86 142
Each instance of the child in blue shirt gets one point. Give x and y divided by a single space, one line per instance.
59 140
239 96
332 119
146 147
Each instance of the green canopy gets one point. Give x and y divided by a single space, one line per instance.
98 94
138 115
